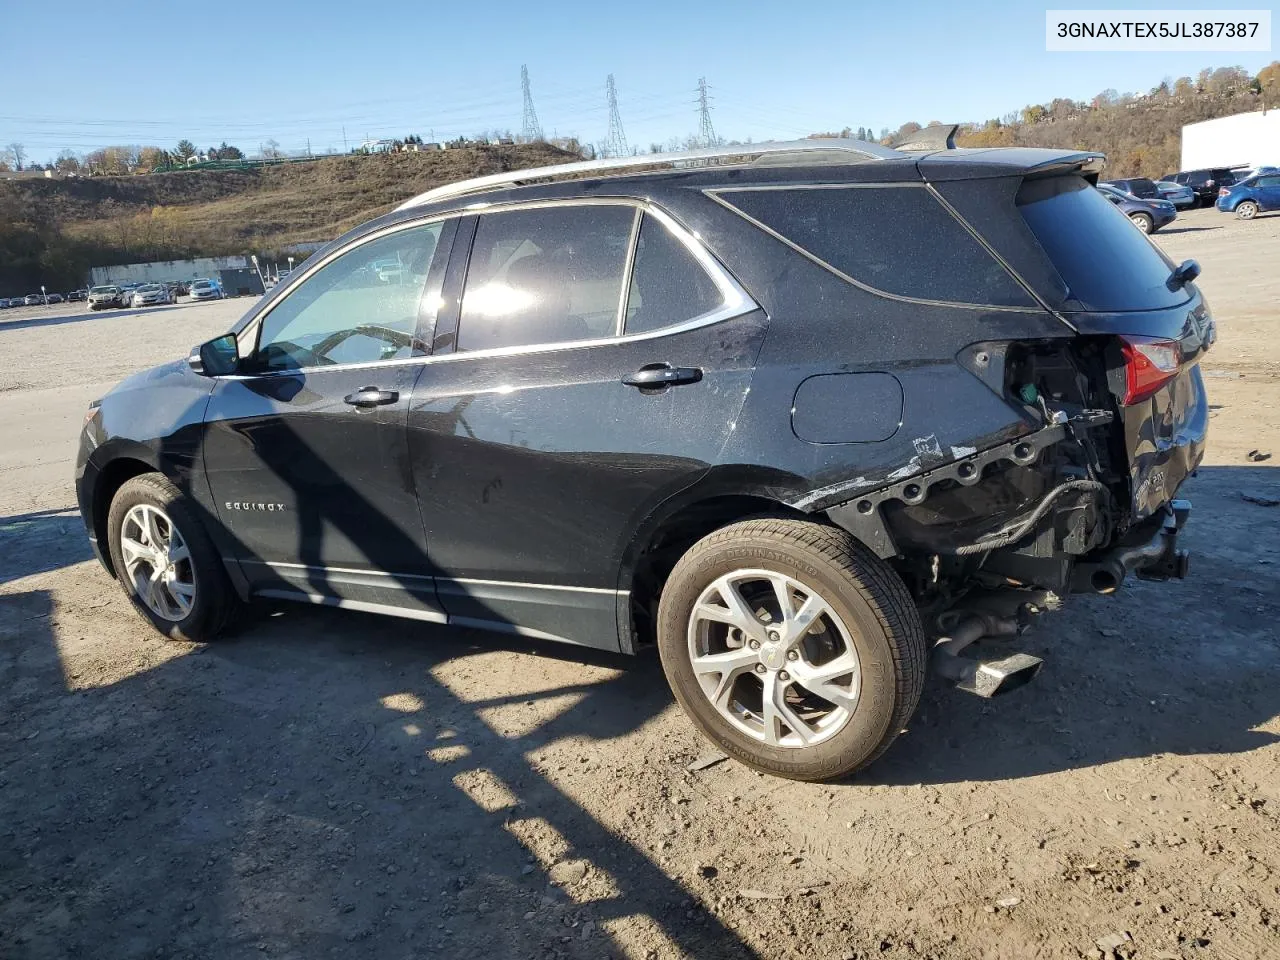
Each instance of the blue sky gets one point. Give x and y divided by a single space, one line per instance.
145 71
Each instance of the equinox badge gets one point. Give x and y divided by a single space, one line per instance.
265 507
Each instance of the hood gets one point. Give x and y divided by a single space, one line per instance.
172 373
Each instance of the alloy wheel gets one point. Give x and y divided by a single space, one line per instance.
1247 210
774 658
158 562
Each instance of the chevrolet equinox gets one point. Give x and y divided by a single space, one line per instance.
811 418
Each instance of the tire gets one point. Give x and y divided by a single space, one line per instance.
1143 222
868 615
1246 210
213 603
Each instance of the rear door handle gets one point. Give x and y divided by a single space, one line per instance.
371 397
662 375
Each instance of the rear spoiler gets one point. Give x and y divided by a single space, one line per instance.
976 163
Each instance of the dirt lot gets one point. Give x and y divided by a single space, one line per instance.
334 784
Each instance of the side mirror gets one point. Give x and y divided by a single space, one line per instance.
216 358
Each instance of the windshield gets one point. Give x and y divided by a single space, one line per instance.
1106 264
103 290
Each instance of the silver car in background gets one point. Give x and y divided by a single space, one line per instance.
206 289
1180 195
150 294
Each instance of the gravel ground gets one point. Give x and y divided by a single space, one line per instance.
325 783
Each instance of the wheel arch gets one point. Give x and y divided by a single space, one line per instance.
662 539
113 475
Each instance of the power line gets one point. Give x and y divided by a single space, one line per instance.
616 146
532 129
706 132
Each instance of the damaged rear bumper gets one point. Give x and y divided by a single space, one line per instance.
1157 559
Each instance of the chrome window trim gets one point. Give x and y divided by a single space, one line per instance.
715 194
628 269
253 328
736 301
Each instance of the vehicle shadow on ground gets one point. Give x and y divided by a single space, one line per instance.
60 319
312 787
1165 230
41 541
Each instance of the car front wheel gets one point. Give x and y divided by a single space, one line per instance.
1142 222
165 561
1247 210
792 647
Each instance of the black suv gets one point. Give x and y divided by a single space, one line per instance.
807 416
1204 183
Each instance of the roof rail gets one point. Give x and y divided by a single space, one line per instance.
828 150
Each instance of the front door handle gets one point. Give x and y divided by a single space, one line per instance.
659 375
371 397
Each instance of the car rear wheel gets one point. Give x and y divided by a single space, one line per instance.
165 561
1247 210
792 647
1142 221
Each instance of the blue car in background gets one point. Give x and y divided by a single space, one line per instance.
1147 215
1248 198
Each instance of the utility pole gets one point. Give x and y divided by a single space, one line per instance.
616 144
532 129
706 132
345 148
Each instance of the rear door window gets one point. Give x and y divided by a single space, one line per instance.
668 285
897 240
545 275
1106 264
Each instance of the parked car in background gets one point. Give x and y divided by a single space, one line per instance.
76 295
150 294
17 301
105 296
4 303
54 298
1147 215
1204 183
1182 197
1139 187
206 289
1258 194
34 299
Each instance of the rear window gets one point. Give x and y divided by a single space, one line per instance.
1142 187
896 239
1106 263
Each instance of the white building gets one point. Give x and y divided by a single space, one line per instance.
164 270
1245 140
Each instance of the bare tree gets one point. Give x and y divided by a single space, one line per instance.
18 153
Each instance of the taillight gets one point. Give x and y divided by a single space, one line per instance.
1148 365
1223 191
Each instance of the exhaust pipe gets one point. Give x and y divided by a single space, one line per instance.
985 678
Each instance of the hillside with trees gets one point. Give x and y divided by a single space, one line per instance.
53 230
1141 134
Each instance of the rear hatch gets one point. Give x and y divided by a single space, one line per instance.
1120 288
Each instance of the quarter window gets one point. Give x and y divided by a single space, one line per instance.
362 307
545 275
668 285
897 240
